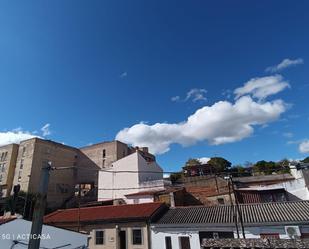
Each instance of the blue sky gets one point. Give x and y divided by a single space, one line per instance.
89 69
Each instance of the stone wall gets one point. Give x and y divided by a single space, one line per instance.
254 243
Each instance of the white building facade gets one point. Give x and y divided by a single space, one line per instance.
188 227
129 175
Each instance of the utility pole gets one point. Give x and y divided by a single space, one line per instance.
39 208
233 208
238 210
79 195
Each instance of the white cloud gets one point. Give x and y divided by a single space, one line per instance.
194 94
227 93
123 74
288 134
46 130
175 98
262 87
204 159
222 122
304 146
166 175
15 136
284 64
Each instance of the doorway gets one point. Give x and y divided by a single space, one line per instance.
123 239
184 242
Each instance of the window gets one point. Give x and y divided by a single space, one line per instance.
184 242
23 151
3 167
137 236
21 164
99 237
136 201
103 163
19 176
220 201
168 242
104 153
0 177
3 156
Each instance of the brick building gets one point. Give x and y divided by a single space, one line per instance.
8 156
21 165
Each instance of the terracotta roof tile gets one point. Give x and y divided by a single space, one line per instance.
104 213
5 220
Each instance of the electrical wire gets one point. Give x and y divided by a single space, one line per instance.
173 172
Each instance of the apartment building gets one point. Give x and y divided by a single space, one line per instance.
8 155
33 154
105 154
21 165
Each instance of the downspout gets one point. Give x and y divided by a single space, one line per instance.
148 234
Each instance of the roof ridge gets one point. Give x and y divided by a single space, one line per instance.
108 206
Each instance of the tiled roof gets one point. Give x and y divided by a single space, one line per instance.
144 193
264 178
276 212
5 220
158 191
104 213
207 191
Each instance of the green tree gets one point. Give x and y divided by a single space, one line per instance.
192 162
283 166
269 167
263 167
219 164
306 160
176 177
238 169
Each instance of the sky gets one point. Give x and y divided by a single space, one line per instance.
189 79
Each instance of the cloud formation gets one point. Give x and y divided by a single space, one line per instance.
204 159
223 122
15 136
288 134
284 64
262 87
123 74
46 130
194 94
304 146
175 98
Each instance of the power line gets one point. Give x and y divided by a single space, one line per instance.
175 172
127 188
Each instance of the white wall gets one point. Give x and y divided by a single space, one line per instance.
159 233
140 199
19 229
295 187
117 185
158 239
